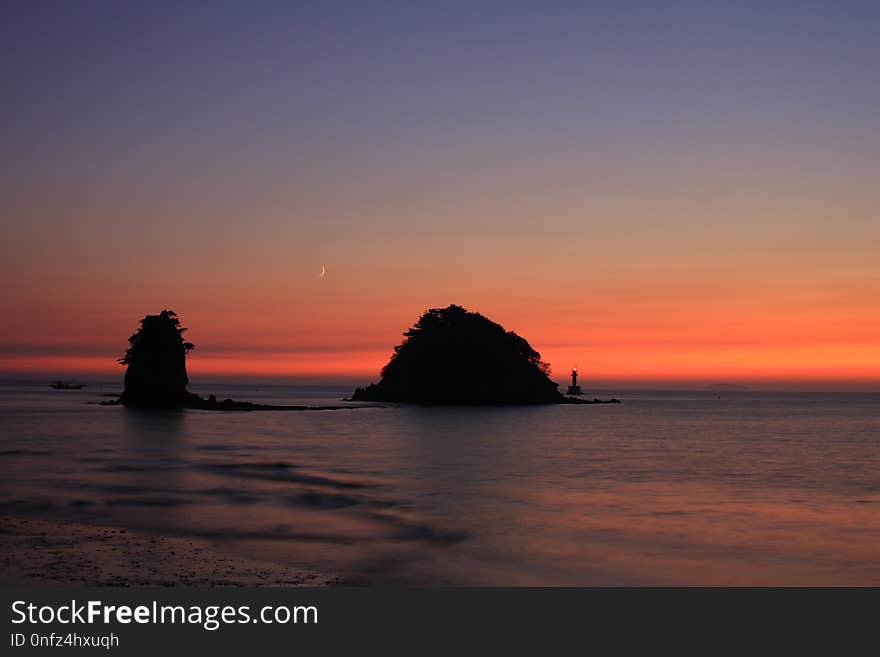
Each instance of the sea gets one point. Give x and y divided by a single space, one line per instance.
667 488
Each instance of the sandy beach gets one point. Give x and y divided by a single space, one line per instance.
38 552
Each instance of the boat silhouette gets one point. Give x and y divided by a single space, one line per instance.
65 385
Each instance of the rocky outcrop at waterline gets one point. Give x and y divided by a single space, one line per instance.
450 356
156 377
454 356
155 374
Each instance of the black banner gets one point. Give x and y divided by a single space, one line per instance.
148 621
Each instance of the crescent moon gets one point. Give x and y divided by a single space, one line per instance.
323 271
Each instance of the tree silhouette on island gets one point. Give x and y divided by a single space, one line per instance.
454 356
156 378
450 356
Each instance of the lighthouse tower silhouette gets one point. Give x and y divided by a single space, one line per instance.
574 388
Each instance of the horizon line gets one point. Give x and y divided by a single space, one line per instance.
856 385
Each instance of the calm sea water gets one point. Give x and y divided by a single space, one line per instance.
666 488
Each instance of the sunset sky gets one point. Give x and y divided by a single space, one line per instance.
652 191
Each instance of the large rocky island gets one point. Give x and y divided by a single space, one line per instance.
454 356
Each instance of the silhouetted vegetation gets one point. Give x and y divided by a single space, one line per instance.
155 376
453 356
450 356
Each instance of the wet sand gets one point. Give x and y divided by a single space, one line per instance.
34 552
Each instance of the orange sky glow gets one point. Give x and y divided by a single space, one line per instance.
623 304
697 205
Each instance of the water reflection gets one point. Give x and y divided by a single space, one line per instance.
152 468
663 489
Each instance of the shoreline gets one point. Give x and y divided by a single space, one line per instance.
47 552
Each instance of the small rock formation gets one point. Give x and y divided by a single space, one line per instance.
155 376
453 356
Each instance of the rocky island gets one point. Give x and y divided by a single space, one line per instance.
452 356
156 377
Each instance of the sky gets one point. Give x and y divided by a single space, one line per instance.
652 192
